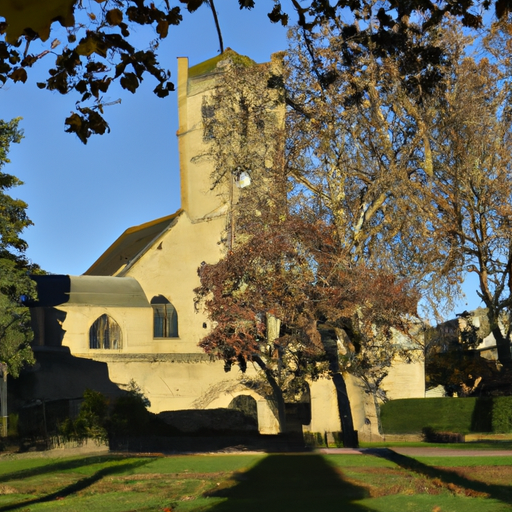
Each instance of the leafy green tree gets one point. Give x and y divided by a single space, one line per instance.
130 415
15 284
100 418
15 331
91 420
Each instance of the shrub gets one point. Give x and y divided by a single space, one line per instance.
130 416
432 436
338 439
502 414
91 420
411 415
314 439
99 420
459 415
12 425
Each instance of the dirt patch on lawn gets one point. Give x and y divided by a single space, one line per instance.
491 475
476 481
387 481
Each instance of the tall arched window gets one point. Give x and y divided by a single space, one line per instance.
105 333
165 318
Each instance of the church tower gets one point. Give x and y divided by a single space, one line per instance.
197 197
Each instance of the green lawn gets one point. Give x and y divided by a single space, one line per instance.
383 482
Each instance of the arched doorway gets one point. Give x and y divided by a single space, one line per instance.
247 405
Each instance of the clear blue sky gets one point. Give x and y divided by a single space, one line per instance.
81 198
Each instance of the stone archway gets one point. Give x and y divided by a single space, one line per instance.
226 393
247 405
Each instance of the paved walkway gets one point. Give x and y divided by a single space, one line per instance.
422 451
426 451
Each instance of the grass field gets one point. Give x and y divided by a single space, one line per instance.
381 482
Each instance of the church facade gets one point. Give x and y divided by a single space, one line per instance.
133 311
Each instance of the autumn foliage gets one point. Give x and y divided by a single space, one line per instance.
293 270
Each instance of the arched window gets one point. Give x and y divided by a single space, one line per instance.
165 318
105 333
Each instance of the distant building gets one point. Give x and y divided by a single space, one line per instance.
467 327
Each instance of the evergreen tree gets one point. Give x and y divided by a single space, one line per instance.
15 284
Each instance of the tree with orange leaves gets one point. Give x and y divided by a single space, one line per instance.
335 316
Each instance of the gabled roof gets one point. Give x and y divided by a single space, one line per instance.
130 246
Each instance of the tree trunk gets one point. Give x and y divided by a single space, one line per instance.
3 403
277 392
345 411
349 434
503 348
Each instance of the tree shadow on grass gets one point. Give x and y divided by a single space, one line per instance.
448 479
63 465
289 483
80 485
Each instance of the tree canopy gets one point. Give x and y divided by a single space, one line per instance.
470 193
291 295
386 177
100 50
413 163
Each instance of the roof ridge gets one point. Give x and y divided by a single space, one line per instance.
130 231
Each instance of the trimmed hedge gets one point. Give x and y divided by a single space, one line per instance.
502 414
461 415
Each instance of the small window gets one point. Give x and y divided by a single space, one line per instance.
165 318
105 333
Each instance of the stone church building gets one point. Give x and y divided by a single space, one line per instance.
131 316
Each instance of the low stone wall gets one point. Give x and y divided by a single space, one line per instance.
402 438
487 437
209 420
207 444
